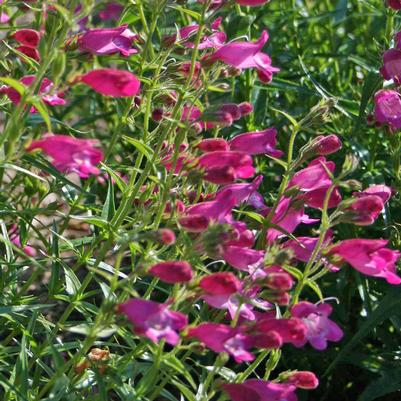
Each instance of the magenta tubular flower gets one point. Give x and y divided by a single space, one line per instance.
27 37
392 65
370 257
214 211
154 320
70 155
244 55
365 209
394 4
304 379
242 258
221 283
241 163
257 143
222 338
383 191
288 217
314 182
241 192
314 176
259 390
112 11
242 236
292 330
172 272
320 328
112 82
388 108
108 41
45 89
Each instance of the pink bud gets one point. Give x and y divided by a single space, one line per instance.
30 52
166 236
27 37
325 145
223 283
213 144
304 379
280 281
366 209
157 114
245 108
172 272
194 223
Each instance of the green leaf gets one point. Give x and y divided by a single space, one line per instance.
388 306
109 207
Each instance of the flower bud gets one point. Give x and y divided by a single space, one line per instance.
213 144
165 236
157 114
304 379
245 108
280 281
172 271
194 223
223 283
325 145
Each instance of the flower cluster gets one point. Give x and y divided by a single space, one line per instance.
215 240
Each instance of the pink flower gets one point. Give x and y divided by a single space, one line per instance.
370 257
112 82
320 328
213 211
172 272
304 379
383 191
292 330
244 55
242 258
70 154
222 283
214 41
288 216
314 182
27 37
256 143
365 210
112 10
108 41
241 192
154 320
388 108
222 338
259 390
392 65
45 91
239 164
